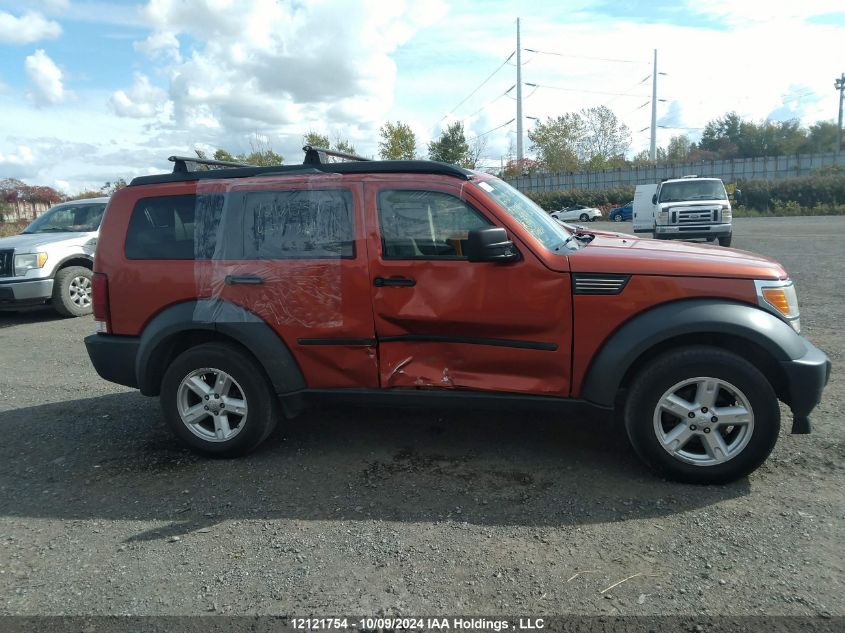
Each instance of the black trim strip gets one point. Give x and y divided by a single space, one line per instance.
496 342
369 342
428 338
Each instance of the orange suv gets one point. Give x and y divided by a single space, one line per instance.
237 294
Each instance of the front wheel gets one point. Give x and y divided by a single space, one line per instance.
217 400
702 415
584 217
617 217
72 291
725 241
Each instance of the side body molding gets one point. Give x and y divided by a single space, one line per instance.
711 317
222 317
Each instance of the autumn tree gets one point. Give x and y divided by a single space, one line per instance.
398 141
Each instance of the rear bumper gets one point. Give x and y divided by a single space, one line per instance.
806 378
694 231
14 292
114 357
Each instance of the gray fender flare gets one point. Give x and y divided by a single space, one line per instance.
222 317
712 317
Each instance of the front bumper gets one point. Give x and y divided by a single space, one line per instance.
806 378
16 292
114 357
672 231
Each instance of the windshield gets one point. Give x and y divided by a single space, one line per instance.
69 218
692 190
548 231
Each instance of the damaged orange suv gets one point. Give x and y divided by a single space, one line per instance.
240 294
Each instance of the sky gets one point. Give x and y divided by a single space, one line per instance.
92 91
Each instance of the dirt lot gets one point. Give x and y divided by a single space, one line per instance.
367 512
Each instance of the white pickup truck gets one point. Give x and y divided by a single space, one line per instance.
52 260
684 208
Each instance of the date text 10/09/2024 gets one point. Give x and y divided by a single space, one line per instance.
417 624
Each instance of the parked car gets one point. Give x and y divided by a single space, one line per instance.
578 212
236 294
623 213
52 260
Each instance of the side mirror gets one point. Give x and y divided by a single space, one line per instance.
490 244
654 199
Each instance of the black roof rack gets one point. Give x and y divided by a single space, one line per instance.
313 155
354 165
180 163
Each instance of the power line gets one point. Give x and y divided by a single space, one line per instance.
595 92
492 101
489 77
498 127
601 59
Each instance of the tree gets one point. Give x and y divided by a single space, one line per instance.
113 187
605 139
821 137
261 154
315 139
398 141
678 149
451 146
722 136
557 142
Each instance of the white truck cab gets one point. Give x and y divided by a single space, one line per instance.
684 208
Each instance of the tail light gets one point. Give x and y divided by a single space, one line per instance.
100 302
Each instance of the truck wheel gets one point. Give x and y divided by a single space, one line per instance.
72 291
217 400
725 241
702 415
584 217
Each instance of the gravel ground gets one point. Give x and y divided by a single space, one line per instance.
368 512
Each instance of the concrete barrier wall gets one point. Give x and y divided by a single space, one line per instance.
763 168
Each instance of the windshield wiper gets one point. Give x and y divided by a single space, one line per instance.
54 229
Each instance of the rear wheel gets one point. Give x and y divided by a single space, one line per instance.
72 291
217 400
725 241
702 415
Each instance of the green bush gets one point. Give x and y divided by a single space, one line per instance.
600 198
808 192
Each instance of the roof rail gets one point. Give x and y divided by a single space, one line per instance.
312 155
180 163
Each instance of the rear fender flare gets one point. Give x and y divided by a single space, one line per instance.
222 317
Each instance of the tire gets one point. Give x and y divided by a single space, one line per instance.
692 459
725 241
584 217
208 435
72 291
617 217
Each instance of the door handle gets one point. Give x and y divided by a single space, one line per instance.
244 279
380 282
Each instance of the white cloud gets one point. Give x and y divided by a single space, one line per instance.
30 27
45 79
279 68
22 155
140 101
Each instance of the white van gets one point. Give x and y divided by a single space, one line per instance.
684 208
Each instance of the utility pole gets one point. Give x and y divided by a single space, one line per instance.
519 155
652 151
840 86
